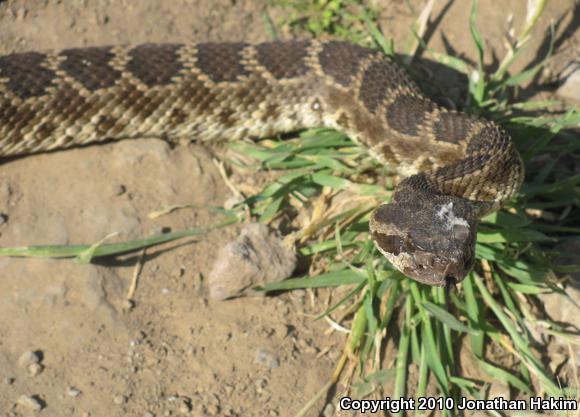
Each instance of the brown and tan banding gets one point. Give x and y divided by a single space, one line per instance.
459 166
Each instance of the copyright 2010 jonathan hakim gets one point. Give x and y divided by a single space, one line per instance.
447 403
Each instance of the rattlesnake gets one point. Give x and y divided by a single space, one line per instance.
459 167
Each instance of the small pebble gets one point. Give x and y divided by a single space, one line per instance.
281 330
120 399
156 230
184 405
261 383
28 358
148 414
35 369
212 409
21 13
9 380
3 218
229 389
120 190
73 392
268 359
571 88
128 304
30 403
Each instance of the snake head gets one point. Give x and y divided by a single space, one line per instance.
431 241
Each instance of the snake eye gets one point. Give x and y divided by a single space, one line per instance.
389 243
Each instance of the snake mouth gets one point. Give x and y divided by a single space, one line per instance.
431 269
447 281
420 264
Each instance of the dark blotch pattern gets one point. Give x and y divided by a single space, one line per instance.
342 61
202 97
8 112
177 117
25 73
287 62
407 112
271 113
463 168
379 79
490 138
452 127
91 67
221 61
11 116
227 116
155 64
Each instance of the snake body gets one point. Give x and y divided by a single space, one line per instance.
459 167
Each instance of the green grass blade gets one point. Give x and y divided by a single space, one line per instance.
402 355
476 317
446 318
428 337
330 279
478 89
521 344
101 249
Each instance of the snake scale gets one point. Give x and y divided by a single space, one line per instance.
457 166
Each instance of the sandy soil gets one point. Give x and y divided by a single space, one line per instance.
175 352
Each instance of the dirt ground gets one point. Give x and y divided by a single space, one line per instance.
175 352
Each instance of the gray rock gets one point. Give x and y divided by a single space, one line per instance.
184 405
212 409
73 392
256 257
561 308
35 369
569 251
28 358
120 399
30 402
570 90
266 358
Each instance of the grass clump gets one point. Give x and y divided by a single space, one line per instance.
345 19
